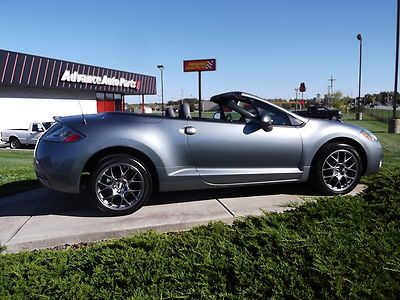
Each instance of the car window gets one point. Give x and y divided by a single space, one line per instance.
244 111
47 125
223 114
35 127
278 117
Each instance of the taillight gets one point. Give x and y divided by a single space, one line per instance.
63 134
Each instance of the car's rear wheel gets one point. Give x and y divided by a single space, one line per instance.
120 184
14 143
337 170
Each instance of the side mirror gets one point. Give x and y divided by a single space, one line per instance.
217 116
266 122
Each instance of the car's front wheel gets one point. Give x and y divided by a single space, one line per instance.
337 170
120 184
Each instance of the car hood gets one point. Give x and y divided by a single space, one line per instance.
322 126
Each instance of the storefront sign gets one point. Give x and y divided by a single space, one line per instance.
98 80
25 70
199 65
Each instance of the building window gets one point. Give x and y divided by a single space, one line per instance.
100 96
109 96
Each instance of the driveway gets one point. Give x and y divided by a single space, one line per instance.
43 218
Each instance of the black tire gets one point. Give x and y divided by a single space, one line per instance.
337 169
15 143
120 185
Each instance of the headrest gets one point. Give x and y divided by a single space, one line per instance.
184 111
169 112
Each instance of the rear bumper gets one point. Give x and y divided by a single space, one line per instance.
57 167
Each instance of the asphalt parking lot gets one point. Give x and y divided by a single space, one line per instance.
43 218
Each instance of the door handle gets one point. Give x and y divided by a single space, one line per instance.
189 130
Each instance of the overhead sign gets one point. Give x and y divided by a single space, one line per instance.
200 65
84 78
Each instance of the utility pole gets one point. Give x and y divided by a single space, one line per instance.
182 97
331 89
326 100
297 98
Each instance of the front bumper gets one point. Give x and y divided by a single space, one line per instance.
374 154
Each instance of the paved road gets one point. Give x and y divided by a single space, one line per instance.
43 218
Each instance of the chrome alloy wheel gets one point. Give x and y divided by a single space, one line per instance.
119 186
339 170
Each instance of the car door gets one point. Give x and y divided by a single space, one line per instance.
232 152
35 132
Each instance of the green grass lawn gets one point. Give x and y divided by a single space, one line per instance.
16 172
381 114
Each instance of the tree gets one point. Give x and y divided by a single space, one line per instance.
368 99
338 101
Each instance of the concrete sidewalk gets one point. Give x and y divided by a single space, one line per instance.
43 218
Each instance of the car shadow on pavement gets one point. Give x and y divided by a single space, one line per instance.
43 202
301 189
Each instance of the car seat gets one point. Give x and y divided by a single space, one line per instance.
184 111
169 112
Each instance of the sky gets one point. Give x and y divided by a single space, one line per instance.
262 47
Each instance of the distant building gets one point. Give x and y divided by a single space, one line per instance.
147 110
210 106
35 88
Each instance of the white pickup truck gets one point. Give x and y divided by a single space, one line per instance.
18 137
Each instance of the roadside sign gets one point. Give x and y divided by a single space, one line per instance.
200 65
302 87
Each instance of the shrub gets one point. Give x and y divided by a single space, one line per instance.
383 193
335 247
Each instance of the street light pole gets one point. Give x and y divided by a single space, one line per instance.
161 67
359 110
396 72
394 123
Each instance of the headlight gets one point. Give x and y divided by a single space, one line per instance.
368 135
62 134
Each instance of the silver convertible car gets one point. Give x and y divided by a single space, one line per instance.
122 158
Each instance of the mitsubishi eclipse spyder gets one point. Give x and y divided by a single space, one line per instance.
122 158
